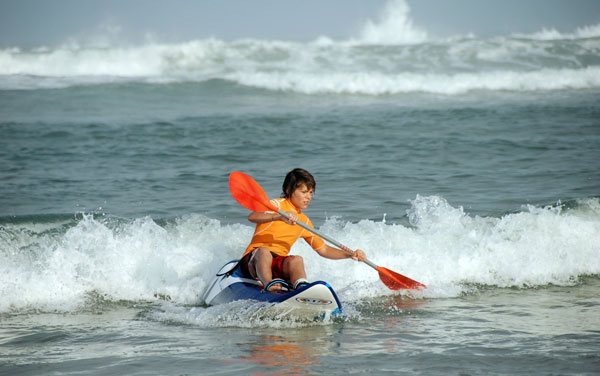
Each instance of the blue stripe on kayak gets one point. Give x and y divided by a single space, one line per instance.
249 291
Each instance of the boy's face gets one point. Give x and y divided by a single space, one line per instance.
302 197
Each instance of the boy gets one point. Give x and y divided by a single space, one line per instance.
266 258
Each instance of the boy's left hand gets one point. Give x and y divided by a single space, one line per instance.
359 255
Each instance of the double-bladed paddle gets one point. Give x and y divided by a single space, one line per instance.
248 193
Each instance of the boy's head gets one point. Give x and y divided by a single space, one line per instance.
296 178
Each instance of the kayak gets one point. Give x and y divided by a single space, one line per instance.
316 300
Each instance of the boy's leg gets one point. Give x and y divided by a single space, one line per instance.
293 268
261 264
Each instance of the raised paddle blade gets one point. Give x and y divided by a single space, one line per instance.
396 281
248 193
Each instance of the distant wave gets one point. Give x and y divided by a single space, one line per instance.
402 83
394 27
389 56
444 68
591 31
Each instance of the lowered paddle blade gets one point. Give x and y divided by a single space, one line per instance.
396 281
248 193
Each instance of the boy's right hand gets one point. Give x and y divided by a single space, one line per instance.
291 219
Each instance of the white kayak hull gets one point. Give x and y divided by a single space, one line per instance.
316 300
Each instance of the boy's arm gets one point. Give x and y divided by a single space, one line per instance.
337 254
264 217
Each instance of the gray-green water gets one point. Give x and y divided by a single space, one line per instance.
468 164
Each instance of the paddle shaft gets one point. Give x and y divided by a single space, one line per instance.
329 239
248 193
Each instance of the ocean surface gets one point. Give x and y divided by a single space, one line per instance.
469 164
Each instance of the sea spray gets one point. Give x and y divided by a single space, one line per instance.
394 26
449 250
390 56
55 268
117 259
534 247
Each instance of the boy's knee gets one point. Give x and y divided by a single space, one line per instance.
262 256
296 260
263 253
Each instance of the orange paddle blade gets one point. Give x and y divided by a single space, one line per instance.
248 193
396 281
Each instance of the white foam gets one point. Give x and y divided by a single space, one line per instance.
448 250
126 261
451 251
394 27
589 31
389 56
237 314
374 83
313 68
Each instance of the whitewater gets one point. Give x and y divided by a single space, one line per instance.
55 266
375 63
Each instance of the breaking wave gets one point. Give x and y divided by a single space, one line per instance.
389 56
62 264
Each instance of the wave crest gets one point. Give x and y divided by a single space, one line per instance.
394 27
585 32
57 266
390 56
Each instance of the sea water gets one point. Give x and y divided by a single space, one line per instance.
469 164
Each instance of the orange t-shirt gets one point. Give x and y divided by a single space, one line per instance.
279 237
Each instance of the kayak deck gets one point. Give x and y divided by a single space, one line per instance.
316 300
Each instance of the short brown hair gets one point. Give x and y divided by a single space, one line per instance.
296 178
